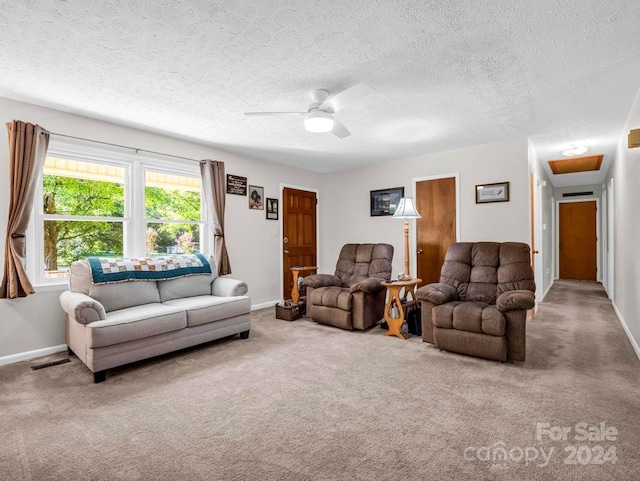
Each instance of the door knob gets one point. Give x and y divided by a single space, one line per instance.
419 251
285 251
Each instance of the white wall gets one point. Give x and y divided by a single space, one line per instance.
345 213
595 188
544 225
254 243
625 170
36 322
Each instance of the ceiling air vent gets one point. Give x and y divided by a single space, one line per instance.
576 194
634 138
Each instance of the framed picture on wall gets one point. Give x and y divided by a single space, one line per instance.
272 209
385 201
236 185
256 197
486 193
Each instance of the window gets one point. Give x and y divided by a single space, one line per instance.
92 204
173 206
83 208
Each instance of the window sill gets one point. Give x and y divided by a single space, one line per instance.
51 287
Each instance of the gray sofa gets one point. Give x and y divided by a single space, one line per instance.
108 325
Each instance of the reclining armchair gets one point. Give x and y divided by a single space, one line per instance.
480 305
353 298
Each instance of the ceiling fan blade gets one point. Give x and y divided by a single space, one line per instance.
273 113
339 130
348 96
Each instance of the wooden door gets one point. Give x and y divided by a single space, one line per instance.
436 230
299 233
578 258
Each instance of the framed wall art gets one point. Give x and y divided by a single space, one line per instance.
256 197
236 185
272 209
486 193
385 201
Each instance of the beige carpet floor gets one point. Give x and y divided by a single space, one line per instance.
301 401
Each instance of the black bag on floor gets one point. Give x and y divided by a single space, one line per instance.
414 320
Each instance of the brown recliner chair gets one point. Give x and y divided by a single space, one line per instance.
353 298
480 305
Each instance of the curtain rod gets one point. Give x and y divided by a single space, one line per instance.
123 146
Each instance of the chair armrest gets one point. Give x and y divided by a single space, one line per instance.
371 284
322 280
81 307
437 293
228 287
512 300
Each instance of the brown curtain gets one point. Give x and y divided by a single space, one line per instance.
213 184
27 151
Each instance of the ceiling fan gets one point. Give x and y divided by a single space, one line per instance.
319 116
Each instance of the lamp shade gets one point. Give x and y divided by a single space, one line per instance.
318 121
407 209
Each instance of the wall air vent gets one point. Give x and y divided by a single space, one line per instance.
634 138
576 194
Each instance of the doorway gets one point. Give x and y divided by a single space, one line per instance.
437 201
577 229
299 231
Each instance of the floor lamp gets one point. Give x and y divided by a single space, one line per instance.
406 210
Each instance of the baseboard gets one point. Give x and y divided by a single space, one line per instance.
263 305
26 356
633 342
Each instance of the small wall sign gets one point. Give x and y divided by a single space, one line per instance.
236 185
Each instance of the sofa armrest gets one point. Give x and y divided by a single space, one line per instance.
437 293
369 285
228 287
81 307
518 299
322 280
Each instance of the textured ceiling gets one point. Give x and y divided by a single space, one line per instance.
446 74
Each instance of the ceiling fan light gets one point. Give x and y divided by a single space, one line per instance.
574 150
318 122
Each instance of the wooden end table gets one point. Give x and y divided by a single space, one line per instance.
295 293
394 290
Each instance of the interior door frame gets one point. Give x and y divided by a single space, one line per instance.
413 238
611 231
557 229
281 222
537 236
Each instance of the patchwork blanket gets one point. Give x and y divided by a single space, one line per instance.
105 270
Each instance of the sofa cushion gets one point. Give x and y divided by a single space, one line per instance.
203 309
356 262
339 297
189 286
515 271
493 321
467 316
135 323
471 317
443 315
112 296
